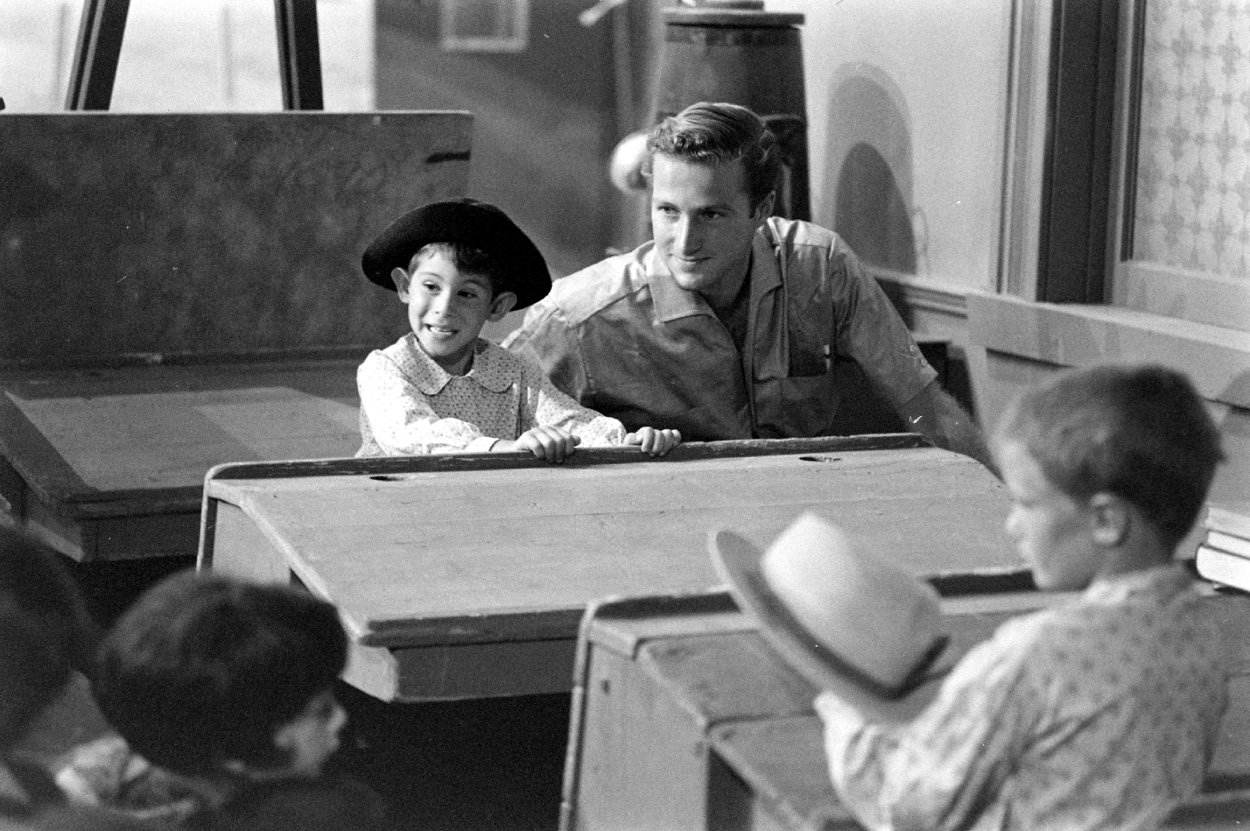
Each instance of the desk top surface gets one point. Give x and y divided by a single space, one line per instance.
499 554
115 440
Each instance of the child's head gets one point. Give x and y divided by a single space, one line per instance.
456 264
44 630
1091 452
205 674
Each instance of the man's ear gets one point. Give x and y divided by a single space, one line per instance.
764 208
502 304
401 279
1111 519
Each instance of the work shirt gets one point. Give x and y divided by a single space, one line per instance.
623 338
1098 714
411 405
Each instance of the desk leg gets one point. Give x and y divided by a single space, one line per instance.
644 761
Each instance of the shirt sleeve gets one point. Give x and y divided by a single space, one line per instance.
868 329
401 419
546 339
943 769
549 407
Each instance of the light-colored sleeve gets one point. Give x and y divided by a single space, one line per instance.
546 339
943 769
868 329
546 406
401 419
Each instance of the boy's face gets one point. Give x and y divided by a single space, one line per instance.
448 308
1052 531
312 737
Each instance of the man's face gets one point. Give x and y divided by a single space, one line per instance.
703 225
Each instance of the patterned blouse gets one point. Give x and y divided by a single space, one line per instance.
1098 714
411 405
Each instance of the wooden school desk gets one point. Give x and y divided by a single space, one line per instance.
684 717
182 290
463 577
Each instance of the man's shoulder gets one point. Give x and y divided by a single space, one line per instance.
799 234
597 288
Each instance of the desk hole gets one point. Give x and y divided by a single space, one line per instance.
820 458
387 478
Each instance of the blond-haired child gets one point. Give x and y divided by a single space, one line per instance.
1098 713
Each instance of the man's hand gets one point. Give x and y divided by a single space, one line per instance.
550 443
653 441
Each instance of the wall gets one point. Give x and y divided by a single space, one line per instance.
907 112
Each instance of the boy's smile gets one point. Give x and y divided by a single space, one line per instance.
447 308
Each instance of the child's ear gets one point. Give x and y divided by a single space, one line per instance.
502 304
287 735
401 280
1111 519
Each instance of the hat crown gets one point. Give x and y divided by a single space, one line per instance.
866 610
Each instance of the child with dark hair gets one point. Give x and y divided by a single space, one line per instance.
1098 713
441 388
229 685
44 632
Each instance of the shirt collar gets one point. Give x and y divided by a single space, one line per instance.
489 371
671 301
1162 582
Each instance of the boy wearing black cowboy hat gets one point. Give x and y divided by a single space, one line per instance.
441 388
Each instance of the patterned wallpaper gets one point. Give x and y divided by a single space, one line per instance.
1193 177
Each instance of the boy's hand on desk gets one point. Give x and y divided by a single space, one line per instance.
653 441
550 443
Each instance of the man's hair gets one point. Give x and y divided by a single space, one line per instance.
203 669
44 630
1140 432
717 134
469 260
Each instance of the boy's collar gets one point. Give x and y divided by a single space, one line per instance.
1165 580
487 369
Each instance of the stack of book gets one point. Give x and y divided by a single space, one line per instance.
1224 553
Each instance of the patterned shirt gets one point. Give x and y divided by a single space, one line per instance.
623 338
411 405
1098 714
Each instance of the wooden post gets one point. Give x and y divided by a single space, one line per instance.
299 54
95 57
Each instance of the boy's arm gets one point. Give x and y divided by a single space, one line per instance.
401 419
945 768
547 406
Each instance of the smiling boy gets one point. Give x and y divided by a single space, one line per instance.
441 388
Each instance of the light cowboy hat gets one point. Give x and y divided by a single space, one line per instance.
847 620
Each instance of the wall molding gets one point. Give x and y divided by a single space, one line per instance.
1217 359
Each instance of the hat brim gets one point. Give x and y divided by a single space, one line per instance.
737 562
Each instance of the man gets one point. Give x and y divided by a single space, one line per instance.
729 324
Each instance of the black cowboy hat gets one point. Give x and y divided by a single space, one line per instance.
467 221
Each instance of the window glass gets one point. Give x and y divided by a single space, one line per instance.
202 56
1193 174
